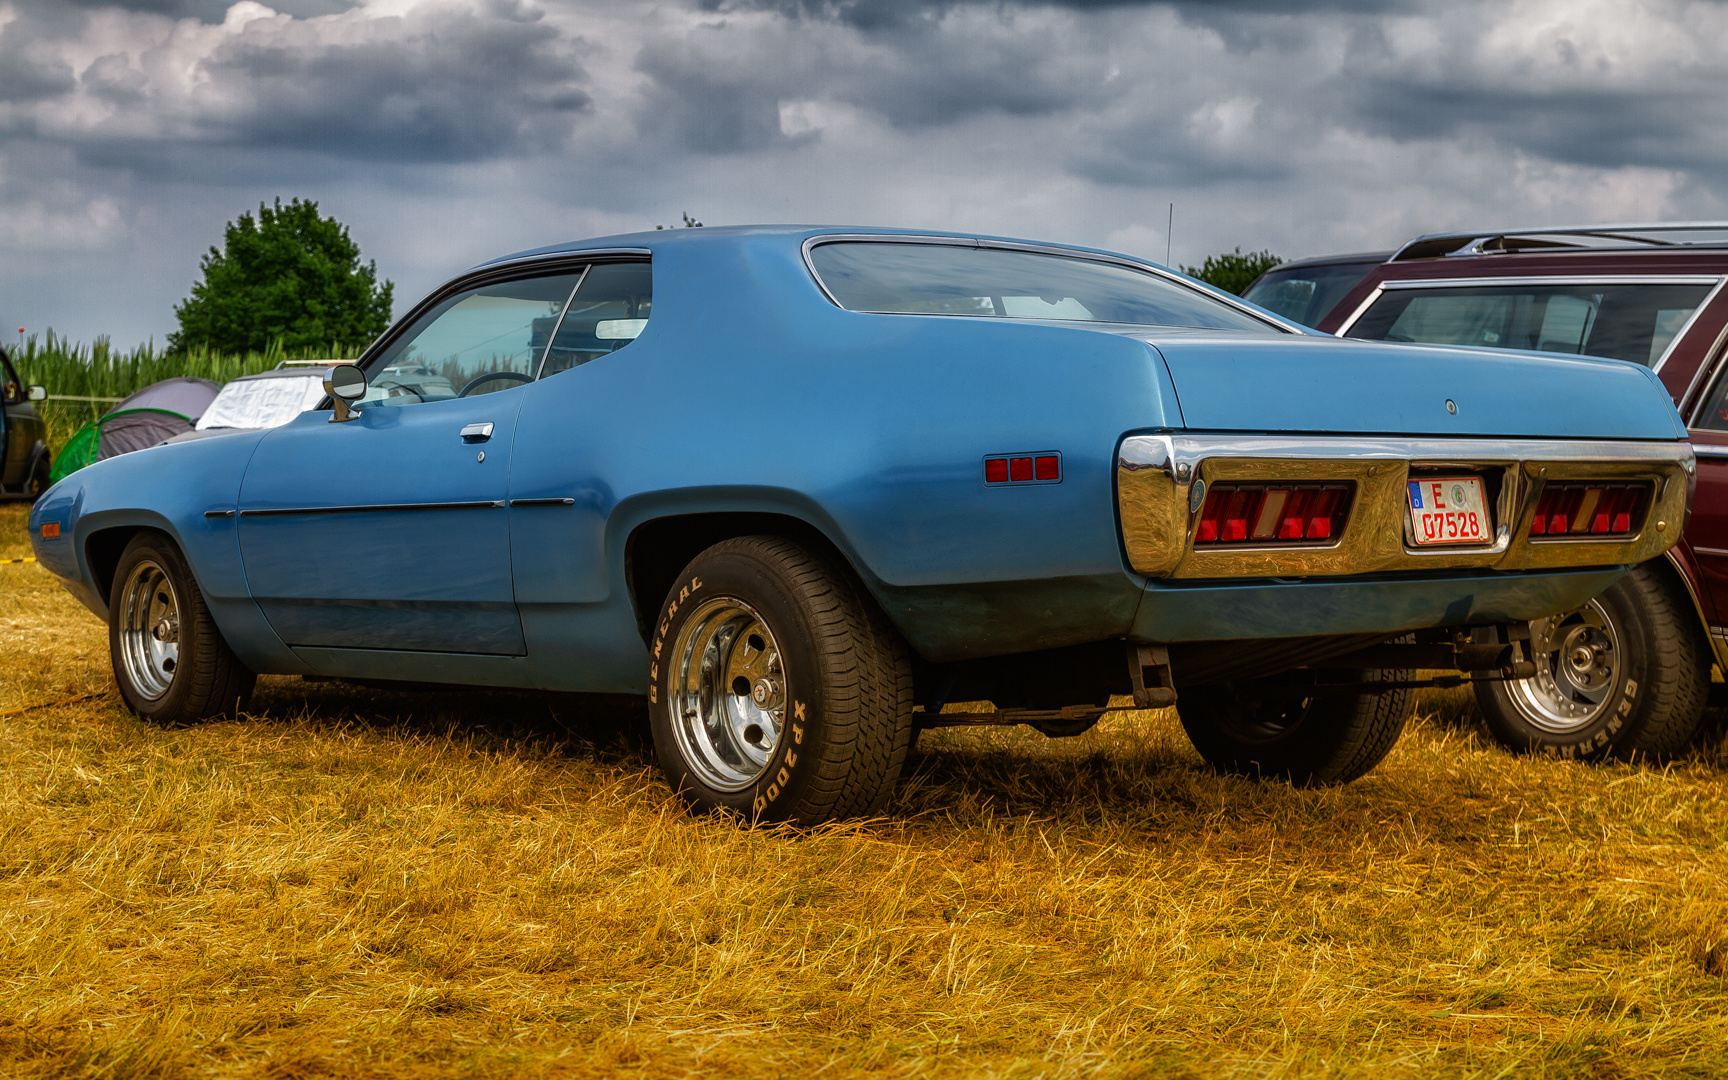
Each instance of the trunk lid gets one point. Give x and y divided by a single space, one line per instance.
1231 382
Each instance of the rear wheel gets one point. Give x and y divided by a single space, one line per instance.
1627 675
1252 728
777 689
170 661
39 481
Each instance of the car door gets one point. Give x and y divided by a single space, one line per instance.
1707 531
389 531
14 432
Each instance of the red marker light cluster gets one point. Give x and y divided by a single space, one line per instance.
1590 509
1023 469
1272 514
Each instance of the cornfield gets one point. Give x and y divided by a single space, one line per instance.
99 370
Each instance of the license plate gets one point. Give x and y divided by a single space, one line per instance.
1449 510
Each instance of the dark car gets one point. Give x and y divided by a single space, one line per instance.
24 457
1305 290
1628 673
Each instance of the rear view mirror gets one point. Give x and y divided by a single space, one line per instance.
345 383
37 393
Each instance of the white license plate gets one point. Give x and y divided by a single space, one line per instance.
1449 510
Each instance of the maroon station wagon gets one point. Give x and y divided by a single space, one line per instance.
1629 673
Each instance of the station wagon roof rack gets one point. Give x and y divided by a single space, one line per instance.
310 363
1636 235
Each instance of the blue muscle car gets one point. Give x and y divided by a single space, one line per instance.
803 487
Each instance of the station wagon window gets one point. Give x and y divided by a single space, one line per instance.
479 341
1635 322
952 279
1713 414
608 312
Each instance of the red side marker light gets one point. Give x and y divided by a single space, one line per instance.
1020 468
1048 467
996 470
50 530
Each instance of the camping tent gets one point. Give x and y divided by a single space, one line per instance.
159 411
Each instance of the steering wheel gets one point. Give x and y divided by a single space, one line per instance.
513 376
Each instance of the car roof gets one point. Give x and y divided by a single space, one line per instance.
1668 236
746 235
1350 259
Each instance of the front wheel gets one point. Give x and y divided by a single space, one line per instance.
1253 728
1627 675
170 660
777 690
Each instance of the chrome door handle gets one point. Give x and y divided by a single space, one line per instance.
474 433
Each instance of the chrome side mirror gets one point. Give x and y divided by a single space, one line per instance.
345 383
37 393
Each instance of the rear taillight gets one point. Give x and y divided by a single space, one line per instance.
1272 514
1588 509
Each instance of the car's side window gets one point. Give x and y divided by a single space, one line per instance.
1712 414
11 387
609 311
478 341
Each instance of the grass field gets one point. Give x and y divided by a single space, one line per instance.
352 882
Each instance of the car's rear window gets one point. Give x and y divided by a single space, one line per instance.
950 279
1635 322
1305 294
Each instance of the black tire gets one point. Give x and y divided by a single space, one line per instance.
40 479
1651 667
805 639
202 678
1246 729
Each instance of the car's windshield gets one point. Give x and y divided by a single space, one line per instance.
952 279
263 403
1305 294
1635 322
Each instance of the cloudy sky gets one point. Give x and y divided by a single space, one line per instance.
444 132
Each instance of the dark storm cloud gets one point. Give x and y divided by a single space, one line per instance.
210 11
450 86
443 83
901 14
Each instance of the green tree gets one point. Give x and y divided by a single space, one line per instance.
1233 271
290 278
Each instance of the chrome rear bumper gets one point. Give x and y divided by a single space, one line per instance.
1156 475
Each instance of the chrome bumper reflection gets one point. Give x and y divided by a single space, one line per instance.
1155 475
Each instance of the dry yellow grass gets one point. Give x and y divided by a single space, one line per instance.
360 883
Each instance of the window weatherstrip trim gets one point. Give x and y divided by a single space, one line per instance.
540 368
372 508
813 242
1714 280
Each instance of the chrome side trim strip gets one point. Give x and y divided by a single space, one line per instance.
1553 279
1709 450
1156 474
374 508
542 502
218 513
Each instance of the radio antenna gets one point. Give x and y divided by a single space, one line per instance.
1168 226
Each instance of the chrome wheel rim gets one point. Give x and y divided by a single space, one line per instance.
728 694
1578 670
149 630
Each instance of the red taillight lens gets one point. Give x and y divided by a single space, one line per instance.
1272 514
1588 509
